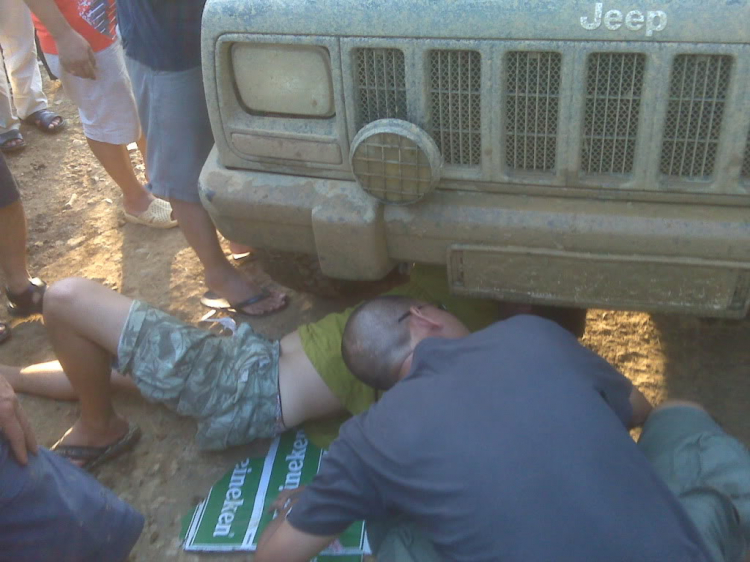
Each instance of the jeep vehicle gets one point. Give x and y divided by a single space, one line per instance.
557 152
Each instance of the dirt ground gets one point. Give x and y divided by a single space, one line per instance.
76 229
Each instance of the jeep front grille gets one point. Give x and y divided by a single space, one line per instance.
565 114
455 104
697 94
532 94
613 100
381 85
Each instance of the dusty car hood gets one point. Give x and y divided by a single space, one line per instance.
704 21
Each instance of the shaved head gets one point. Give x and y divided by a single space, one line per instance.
375 343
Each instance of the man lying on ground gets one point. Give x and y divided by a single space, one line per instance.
51 510
512 444
239 388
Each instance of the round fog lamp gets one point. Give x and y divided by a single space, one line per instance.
395 161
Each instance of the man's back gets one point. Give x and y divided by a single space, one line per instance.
509 444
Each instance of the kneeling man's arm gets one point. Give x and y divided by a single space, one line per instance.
345 490
281 542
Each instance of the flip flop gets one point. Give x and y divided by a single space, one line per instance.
28 302
242 257
8 137
157 215
4 332
93 457
43 118
213 300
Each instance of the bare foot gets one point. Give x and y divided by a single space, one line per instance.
81 435
236 288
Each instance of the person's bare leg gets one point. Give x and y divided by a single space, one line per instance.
85 321
48 380
142 146
221 276
116 161
13 247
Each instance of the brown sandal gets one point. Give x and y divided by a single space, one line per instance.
28 302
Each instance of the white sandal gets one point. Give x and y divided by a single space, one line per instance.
158 215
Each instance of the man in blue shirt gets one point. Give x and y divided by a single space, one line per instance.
162 48
512 444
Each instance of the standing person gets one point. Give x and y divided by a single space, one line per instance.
22 98
51 510
162 48
25 295
80 43
511 444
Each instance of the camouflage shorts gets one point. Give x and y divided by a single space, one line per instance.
229 384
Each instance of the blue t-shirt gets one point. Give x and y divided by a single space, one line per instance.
52 511
162 34
506 445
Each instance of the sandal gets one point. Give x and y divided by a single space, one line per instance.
4 332
212 300
12 141
29 302
92 457
157 215
44 121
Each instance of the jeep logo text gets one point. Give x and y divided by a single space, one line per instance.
634 20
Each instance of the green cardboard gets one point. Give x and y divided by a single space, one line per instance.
235 512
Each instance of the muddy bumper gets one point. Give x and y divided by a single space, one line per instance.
553 250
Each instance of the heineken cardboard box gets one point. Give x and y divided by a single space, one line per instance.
236 510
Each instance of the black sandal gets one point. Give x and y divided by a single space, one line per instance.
29 302
4 332
42 120
12 141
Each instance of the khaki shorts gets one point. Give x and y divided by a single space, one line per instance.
230 384
708 471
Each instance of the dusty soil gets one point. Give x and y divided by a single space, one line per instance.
76 229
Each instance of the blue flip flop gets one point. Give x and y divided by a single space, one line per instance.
213 300
94 457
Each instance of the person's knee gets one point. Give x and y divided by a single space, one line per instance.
678 404
64 297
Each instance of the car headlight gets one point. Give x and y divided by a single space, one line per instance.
293 80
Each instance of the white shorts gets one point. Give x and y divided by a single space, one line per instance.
106 105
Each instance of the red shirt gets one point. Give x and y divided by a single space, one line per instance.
95 20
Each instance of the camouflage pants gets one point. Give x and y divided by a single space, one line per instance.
229 384
708 471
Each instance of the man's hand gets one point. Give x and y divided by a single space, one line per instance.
285 500
76 55
14 425
641 408
280 542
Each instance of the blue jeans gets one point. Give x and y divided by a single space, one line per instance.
50 510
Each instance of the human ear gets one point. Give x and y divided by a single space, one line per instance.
417 314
